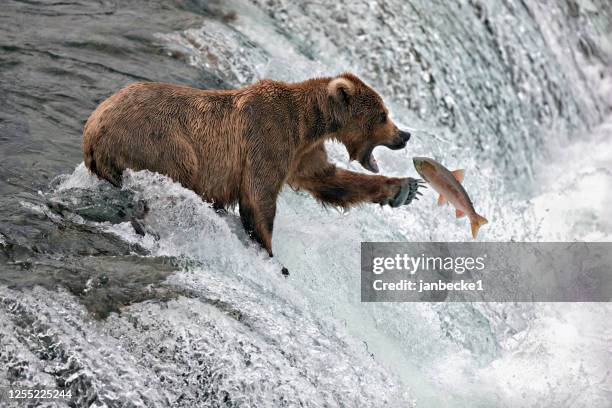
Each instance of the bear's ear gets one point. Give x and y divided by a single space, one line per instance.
341 89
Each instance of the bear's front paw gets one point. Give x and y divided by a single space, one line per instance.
409 190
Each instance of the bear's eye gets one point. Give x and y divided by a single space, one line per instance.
382 117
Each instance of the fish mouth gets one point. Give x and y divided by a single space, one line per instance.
417 161
418 165
368 161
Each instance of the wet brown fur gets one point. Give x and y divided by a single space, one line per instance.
241 146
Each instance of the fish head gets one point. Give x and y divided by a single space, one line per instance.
424 166
363 121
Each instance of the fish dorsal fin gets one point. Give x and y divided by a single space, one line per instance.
459 174
441 200
459 213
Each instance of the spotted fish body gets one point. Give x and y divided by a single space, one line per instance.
448 184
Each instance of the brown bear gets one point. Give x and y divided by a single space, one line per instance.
241 146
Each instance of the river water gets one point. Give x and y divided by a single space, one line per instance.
193 314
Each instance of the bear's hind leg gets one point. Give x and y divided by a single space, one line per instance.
103 166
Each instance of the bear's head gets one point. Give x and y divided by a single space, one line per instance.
361 120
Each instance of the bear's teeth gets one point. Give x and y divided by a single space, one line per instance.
373 164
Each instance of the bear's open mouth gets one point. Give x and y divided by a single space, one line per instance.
369 162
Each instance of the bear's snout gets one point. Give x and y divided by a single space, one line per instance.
400 141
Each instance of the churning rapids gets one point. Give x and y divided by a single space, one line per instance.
192 314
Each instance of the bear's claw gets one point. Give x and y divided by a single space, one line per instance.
409 191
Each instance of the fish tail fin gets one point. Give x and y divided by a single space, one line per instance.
477 222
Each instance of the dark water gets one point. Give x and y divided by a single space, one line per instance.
59 60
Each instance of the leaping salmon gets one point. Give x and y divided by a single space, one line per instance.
448 184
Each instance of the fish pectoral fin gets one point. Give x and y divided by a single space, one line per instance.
459 213
441 200
459 174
